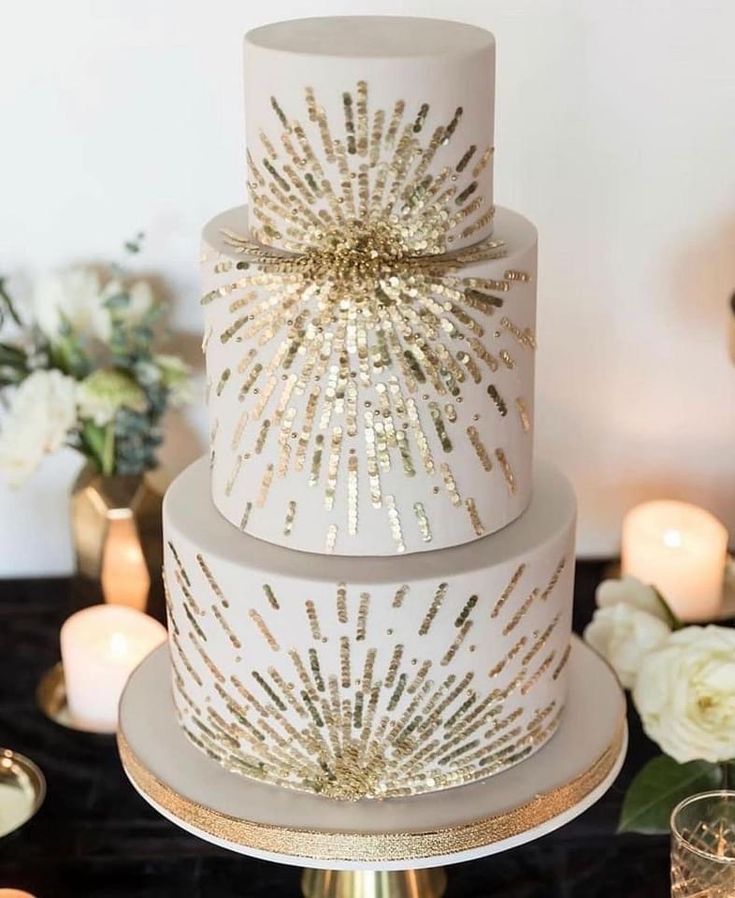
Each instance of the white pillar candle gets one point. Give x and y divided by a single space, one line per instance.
100 648
14 893
681 550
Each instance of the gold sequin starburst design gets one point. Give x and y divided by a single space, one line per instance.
310 183
346 710
364 306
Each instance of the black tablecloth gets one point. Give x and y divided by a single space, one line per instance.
95 838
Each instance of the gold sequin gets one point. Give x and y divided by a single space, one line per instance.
265 632
459 639
523 415
506 469
362 616
394 521
352 503
524 336
433 609
333 467
538 673
498 668
290 515
400 595
271 597
554 579
513 275
474 516
497 399
562 663
313 620
331 540
423 521
507 592
479 447
507 359
520 613
450 484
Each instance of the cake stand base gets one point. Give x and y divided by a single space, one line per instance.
369 848
426 883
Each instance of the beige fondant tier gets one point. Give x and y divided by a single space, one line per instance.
364 404
369 677
366 118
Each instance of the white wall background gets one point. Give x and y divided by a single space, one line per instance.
615 133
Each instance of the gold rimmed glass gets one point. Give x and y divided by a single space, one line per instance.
703 846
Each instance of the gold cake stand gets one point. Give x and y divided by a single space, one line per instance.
396 848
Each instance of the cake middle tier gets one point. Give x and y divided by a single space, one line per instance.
369 677
365 404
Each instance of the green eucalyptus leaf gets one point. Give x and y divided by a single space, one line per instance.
7 307
119 300
12 356
93 440
68 355
673 620
135 244
659 787
108 449
10 377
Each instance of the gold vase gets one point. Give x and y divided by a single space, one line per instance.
116 528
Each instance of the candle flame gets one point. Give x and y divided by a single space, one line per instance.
672 538
118 645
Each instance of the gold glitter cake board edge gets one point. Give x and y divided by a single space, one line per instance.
333 848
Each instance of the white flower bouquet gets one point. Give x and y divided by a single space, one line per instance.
682 682
79 367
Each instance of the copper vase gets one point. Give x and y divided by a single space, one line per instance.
116 528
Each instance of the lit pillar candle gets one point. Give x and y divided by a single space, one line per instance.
14 893
681 550
100 648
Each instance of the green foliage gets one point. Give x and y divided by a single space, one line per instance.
13 365
673 621
135 245
659 787
7 307
69 355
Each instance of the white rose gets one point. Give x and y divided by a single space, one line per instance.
631 591
624 635
41 414
72 296
685 694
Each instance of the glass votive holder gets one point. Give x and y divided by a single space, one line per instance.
703 846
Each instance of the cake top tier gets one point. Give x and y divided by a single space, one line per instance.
371 37
354 122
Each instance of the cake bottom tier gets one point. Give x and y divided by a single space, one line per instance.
361 677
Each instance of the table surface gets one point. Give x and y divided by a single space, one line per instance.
95 838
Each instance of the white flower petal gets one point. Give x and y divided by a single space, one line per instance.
71 296
41 414
631 591
623 635
685 694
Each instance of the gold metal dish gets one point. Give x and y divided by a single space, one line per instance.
22 790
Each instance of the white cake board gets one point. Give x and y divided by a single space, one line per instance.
519 805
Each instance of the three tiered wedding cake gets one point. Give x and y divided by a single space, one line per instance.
369 584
